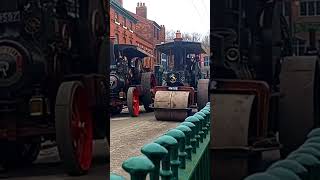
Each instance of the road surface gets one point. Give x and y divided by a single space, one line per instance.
49 167
129 134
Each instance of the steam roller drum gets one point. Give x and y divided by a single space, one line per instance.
171 105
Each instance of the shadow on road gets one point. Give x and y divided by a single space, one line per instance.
49 167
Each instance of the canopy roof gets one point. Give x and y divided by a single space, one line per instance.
189 47
130 51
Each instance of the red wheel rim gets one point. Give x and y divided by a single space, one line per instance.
135 102
81 126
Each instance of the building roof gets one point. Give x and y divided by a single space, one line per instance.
189 47
115 4
145 20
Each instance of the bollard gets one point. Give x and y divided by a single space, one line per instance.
283 174
314 133
314 145
170 144
262 176
155 152
116 177
180 137
292 166
201 123
138 167
193 139
310 162
187 131
196 122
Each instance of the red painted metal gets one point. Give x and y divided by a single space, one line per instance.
136 102
81 124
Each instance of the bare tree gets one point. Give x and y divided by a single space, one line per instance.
170 35
206 41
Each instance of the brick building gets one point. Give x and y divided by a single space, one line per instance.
305 16
130 28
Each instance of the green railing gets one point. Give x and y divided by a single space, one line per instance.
180 154
301 164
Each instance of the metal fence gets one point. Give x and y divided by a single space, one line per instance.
301 164
181 153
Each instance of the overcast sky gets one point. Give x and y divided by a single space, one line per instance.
184 15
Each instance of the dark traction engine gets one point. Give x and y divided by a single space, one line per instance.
53 66
262 97
130 84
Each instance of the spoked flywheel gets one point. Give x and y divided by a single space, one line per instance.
74 132
133 102
148 82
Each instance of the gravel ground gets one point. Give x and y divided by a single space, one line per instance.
129 134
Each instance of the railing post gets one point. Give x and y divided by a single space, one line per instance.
188 148
196 122
180 137
170 144
293 166
116 177
193 139
207 113
310 162
155 152
201 116
138 167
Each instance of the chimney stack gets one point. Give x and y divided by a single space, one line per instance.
141 10
178 36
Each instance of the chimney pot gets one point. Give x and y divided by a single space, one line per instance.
143 4
137 4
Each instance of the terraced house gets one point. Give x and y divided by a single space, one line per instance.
305 16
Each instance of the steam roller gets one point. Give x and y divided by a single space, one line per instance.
183 88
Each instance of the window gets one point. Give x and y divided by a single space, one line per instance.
130 41
124 21
299 47
154 31
310 8
285 8
157 34
117 39
206 61
303 8
131 26
116 17
124 40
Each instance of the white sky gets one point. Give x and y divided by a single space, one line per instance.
184 15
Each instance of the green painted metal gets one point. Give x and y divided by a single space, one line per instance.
116 177
138 167
180 154
293 166
155 153
188 148
262 176
314 133
304 162
283 174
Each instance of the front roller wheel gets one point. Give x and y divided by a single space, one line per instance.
74 132
133 102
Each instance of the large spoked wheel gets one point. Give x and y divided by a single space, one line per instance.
133 102
74 132
148 82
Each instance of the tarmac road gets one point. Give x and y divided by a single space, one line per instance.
129 134
49 167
